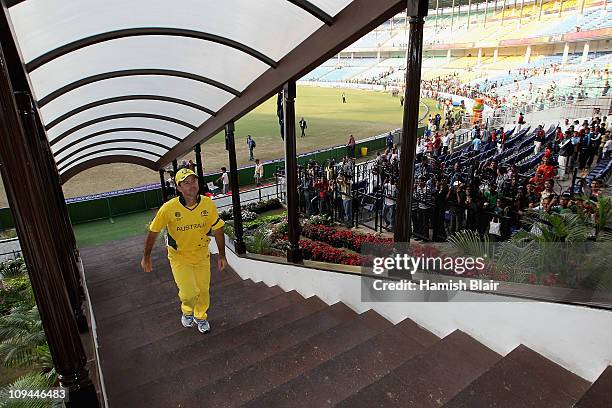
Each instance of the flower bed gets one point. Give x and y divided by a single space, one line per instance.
342 238
320 251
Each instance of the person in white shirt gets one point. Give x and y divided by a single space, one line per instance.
259 172
224 178
607 150
390 192
420 149
445 143
565 126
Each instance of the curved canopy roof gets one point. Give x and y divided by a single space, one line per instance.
144 81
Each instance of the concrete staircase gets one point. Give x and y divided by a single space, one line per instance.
269 348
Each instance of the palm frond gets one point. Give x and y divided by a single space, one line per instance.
469 243
31 381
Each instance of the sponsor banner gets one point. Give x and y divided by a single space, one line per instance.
603 32
115 193
450 46
486 44
469 103
525 41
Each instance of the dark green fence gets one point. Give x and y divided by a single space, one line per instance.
114 205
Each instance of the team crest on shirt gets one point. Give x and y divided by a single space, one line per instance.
204 213
177 215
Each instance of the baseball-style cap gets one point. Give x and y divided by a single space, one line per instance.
182 174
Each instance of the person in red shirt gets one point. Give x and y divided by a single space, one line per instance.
558 135
322 186
544 172
437 144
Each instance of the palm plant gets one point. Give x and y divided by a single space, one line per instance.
22 339
545 227
30 381
260 241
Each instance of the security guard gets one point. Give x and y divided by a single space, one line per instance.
188 219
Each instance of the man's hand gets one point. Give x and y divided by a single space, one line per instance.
221 262
146 264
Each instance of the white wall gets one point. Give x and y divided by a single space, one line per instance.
578 338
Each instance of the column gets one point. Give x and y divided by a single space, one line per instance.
199 168
521 14
72 273
540 11
294 254
37 216
437 10
417 12
585 52
495 53
484 23
565 53
452 15
162 180
239 244
527 54
479 56
448 56
469 13
560 8
503 13
175 166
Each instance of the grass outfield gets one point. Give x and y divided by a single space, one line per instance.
101 231
365 114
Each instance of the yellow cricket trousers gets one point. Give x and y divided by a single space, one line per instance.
193 280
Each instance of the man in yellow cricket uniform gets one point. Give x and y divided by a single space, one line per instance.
188 219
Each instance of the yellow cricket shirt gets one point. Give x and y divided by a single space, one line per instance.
187 228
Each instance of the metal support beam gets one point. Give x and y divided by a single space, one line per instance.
294 254
540 11
175 166
452 15
410 123
162 179
239 244
469 13
38 220
486 13
503 13
437 10
199 168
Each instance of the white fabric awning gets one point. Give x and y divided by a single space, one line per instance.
135 78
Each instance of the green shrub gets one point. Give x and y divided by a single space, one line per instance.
256 207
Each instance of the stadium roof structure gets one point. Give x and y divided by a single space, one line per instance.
144 81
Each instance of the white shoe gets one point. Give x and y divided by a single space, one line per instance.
203 325
187 320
